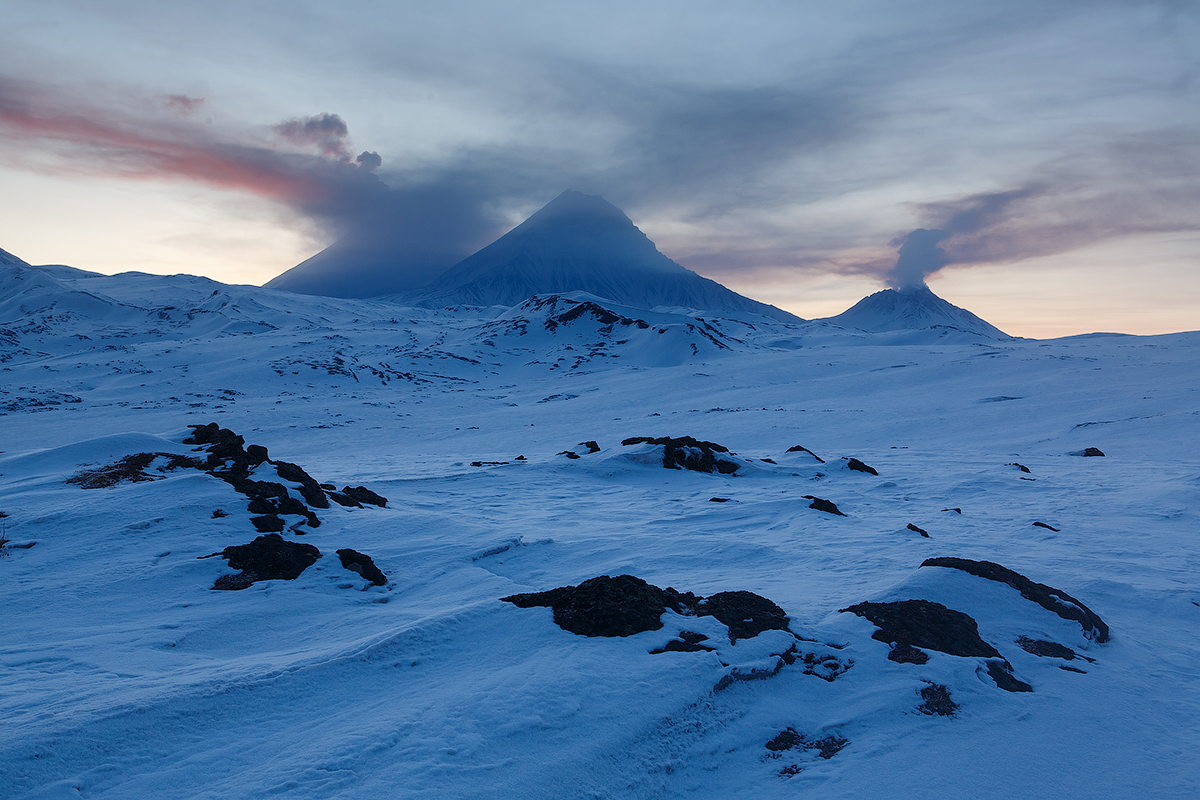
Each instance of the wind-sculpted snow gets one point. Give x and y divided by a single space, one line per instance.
126 675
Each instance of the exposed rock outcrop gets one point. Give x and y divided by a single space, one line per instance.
684 452
267 558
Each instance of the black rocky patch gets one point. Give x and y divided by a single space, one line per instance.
921 531
828 506
591 446
218 514
825 747
625 605
767 460
569 454
859 466
606 606
363 565
905 653
1021 467
131 469
1049 598
799 449
268 523
1092 452
826 667
362 494
935 699
921 623
1044 525
718 499
688 642
310 490
267 558
745 614
684 452
1044 649
955 510
1001 672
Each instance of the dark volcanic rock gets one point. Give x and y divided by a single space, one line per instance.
921 531
591 446
131 469
859 466
1044 525
569 454
363 565
1001 672
310 490
1091 452
1049 598
718 499
799 449
1044 649
904 653
362 494
1021 467
827 506
936 700
826 747
688 642
921 623
604 606
684 452
267 558
268 523
745 614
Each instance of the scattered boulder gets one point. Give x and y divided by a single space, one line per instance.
363 565
921 531
362 494
1044 649
921 623
605 606
591 446
799 449
1044 525
569 454
935 699
1092 452
1001 672
625 605
1049 598
859 466
268 523
828 506
1021 467
825 747
688 642
269 557
718 499
310 490
684 452
955 510
745 614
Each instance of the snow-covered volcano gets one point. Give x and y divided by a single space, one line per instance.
910 309
581 242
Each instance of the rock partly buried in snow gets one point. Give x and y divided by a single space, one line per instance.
921 623
132 469
267 558
1091 452
1049 598
921 531
799 449
625 605
362 494
859 466
363 565
605 606
1044 649
935 699
684 452
688 642
828 506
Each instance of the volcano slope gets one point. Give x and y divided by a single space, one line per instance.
126 674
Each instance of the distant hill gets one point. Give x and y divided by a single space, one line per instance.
910 309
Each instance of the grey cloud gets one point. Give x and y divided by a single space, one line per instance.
326 131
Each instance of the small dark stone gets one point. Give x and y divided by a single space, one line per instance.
799 449
268 557
688 642
767 460
603 606
1021 467
328 487
1044 525
1091 452
955 510
591 446
363 565
905 653
827 747
1049 598
219 513
1040 647
921 531
520 458
921 623
859 466
268 523
257 453
1072 669
569 454
362 494
786 740
718 499
936 700
1001 672
823 505
343 500
310 490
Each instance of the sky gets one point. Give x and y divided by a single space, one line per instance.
1038 162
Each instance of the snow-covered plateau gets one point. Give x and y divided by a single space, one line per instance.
798 653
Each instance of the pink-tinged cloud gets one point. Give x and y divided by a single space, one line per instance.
145 144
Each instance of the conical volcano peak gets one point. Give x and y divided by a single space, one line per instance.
573 207
912 308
